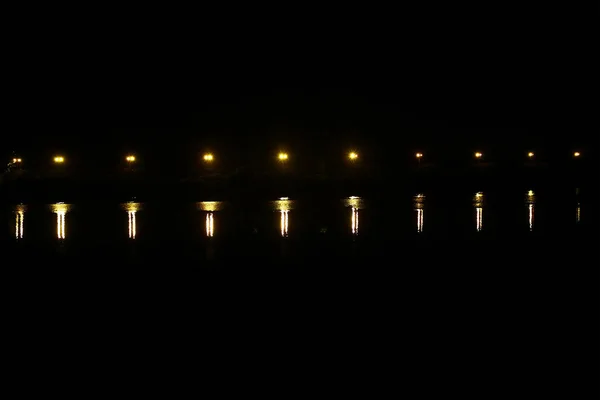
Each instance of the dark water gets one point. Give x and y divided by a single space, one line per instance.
501 287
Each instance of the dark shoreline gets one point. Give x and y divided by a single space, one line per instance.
144 188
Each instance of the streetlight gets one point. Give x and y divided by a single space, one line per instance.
16 160
419 156
59 160
283 157
353 156
530 154
576 154
478 155
208 157
130 159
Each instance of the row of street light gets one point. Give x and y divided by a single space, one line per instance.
281 156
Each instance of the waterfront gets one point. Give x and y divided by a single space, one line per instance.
350 230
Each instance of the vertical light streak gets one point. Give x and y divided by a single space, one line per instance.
210 225
354 220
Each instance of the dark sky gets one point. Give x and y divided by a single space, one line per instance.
445 73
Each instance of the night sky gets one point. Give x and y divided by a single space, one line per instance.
457 78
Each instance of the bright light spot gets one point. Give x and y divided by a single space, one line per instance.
284 198
419 201
210 224
352 155
478 203
59 159
530 193
479 218
419 155
132 231
478 155
419 220
576 154
284 223
354 201
530 154
20 216
208 157
530 217
130 158
282 156
60 209
210 205
354 221
578 213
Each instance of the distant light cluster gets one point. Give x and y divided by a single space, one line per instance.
283 157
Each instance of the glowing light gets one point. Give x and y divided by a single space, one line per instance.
576 154
132 229
478 155
578 213
530 154
419 201
60 209
19 217
354 221
284 223
284 198
16 160
352 155
210 224
354 201
283 206
419 155
282 156
59 159
130 158
210 205
208 157
478 203
530 217
131 208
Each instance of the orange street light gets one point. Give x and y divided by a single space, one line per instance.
130 158
419 155
208 157
353 156
282 156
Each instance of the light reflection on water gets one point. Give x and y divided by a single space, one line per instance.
284 206
131 208
210 207
478 204
19 220
355 204
419 203
530 201
351 223
61 210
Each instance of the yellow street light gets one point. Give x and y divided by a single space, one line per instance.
352 155
576 154
59 159
130 158
530 154
16 160
282 156
208 157
478 155
419 155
